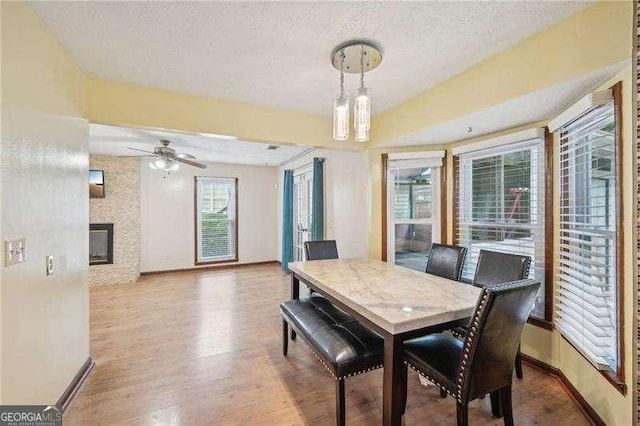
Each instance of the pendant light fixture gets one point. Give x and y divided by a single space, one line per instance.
354 57
341 108
362 107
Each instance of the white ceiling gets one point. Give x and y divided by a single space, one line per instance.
277 53
533 107
112 140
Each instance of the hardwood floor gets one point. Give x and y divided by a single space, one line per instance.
204 348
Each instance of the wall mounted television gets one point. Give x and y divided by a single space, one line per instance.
96 184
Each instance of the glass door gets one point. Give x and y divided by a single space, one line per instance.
413 211
302 190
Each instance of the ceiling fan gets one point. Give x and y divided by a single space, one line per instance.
167 158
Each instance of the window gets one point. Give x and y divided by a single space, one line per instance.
413 210
501 206
216 220
588 277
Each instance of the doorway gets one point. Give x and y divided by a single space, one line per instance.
413 210
302 204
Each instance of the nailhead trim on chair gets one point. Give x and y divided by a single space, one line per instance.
329 369
464 255
431 379
468 343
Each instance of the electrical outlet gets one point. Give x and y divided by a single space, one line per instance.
51 267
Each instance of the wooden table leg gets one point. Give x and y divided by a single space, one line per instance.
295 287
393 380
295 294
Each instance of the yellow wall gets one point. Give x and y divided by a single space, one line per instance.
127 104
587 41
44 177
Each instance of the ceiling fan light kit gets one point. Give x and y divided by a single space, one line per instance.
354 57
168 160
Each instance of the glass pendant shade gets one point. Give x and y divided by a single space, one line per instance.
361 135
362 115
341 117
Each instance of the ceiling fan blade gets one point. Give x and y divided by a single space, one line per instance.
141 150
190 163
186 156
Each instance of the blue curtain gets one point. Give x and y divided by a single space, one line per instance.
317 202
287 220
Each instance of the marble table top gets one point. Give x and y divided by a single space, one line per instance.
395 298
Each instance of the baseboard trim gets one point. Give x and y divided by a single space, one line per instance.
577 398
76 383
209 267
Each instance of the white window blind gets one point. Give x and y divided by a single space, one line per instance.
501 206
216 219
586 286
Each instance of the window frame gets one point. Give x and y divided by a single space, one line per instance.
235 257
442 187
617 377
547 215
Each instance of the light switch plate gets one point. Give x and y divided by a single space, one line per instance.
51 266
15 251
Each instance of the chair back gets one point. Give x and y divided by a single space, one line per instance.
320 250
495 268
491 344
446 261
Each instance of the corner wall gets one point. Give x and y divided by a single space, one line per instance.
120 206
44 176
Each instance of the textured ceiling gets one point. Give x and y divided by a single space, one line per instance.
112 140
277 53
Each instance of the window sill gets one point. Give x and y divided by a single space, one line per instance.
538 322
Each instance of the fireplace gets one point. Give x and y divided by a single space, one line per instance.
100 243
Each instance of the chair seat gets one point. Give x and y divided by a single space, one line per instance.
437 356
344 345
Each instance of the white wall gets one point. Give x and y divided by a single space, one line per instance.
45 199
167 214
346 194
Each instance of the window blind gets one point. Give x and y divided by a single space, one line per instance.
586 286
501 206
216 219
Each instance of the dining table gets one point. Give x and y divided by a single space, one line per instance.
396 302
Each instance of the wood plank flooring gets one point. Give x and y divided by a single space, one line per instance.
204 348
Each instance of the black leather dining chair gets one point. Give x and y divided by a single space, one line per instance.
483 362
318 250
446 261
494 267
